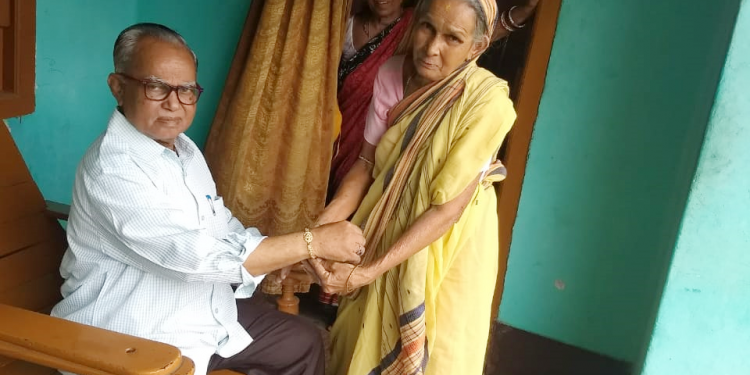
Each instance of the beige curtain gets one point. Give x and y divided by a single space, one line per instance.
269 147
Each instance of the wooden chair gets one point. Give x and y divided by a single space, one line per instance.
32 243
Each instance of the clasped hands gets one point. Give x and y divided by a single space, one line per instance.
339 248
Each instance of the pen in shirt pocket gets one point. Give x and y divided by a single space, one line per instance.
211 203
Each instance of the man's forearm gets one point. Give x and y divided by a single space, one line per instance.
276 252
340 241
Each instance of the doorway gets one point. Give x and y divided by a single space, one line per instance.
521 59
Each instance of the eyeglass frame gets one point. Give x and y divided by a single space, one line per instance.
175 89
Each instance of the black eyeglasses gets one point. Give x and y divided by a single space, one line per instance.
158 91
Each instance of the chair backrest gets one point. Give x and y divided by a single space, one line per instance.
31 242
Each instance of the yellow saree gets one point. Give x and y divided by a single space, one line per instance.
430 314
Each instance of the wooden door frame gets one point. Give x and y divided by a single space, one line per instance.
18 47
519 139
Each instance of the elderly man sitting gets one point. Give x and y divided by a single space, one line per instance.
153 250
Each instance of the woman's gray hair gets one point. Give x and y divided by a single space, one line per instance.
128 39
481 27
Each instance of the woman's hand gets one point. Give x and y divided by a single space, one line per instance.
522 13
341 278
284 272
519 14
329 215
531 4
341 242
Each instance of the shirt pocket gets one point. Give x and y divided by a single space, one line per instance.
217 222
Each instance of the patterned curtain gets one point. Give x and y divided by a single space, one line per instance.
270 144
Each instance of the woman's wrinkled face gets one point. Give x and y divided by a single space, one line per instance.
444 38
385 8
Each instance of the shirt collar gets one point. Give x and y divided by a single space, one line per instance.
140 144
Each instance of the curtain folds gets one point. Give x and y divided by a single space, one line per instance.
269 147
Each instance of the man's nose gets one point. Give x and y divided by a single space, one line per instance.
172 102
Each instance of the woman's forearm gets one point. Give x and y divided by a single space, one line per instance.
428 228
348 196
353 188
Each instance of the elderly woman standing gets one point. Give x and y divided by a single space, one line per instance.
421 300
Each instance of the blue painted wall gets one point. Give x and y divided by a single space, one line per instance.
621 120
703 325
74 57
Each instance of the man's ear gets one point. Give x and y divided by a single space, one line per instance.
116 87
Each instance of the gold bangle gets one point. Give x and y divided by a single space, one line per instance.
308 237
346 286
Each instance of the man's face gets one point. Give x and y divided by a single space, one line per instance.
158 61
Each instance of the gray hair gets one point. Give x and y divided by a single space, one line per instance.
127 41
480 28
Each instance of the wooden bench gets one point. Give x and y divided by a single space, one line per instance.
32 243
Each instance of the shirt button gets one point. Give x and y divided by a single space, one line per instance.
203 217
216 311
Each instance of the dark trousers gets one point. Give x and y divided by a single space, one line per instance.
282 344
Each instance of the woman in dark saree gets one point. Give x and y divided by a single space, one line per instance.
373 34
372 37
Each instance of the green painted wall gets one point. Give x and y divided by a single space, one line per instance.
626 103
74 57
703 325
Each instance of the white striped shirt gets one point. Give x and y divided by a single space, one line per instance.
153 251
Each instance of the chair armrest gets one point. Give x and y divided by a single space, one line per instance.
59 211
83 349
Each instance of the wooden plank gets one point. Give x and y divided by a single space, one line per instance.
29 264
36 295
25 368
19 201
19 52
2 59
4 361
80 348
28 231
13 170
57 210
10 59
224 372
5 14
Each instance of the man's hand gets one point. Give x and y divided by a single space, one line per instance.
340 242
